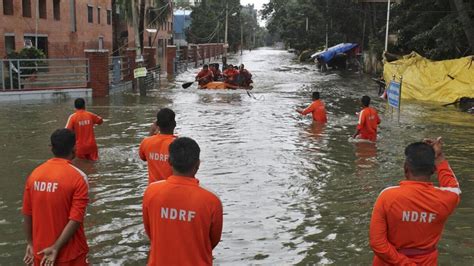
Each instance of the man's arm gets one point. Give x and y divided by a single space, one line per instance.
98 120
216 225
141 151
378 237
27 227
70 122
359 124
50 253
146 222
306 111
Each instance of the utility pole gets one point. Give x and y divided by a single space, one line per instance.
36 24
327 26
307 24
241 38
226 27
386 30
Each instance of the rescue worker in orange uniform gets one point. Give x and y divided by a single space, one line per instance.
407 220
182 219
368 121
54 205
155 148
204 76
215 71
230 75
317 109
82 123
245 78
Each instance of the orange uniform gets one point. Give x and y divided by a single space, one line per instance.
368 123
407 220
155 151
82 123
55 193
205 76
230 75
318 111
183 222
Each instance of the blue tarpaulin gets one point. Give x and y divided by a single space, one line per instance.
328 55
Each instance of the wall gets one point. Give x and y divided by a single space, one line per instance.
61 41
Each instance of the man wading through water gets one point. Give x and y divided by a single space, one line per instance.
407 220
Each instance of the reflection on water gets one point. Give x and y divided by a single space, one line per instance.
294 192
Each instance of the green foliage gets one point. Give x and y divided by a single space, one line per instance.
429 27
27 66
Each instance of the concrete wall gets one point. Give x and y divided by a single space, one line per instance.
62 42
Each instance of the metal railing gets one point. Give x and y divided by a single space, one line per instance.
152 77
119 68
21 74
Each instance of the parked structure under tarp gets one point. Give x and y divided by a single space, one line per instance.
426 80
331 52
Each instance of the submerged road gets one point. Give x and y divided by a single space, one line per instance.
292 193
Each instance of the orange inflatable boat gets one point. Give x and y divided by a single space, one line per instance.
220 85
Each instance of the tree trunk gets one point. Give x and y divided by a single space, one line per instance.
136 31
467 23
141 24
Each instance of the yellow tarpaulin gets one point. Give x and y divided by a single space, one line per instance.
426 80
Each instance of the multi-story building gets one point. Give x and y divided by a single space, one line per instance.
61 28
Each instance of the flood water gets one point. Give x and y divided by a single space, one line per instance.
293 193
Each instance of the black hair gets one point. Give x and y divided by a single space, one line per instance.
420 159
80 103
165 119
365 100
315 95
184 154
205 66
62 142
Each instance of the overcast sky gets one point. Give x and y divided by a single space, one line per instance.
258 5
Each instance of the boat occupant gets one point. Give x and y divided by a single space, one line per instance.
368 121
82 123
155 148
182 219
317 109
408 220
54 205
230 75
204 76
215 71
245 78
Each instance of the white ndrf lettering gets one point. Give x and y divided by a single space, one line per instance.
406 216
413 216
177 214
45 186
84 122
158 156
432 217
173 214
164 213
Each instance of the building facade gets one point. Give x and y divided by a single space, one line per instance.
61 28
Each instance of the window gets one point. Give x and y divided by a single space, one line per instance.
90 13
109 17
57 9
9 43
98 15
42 9
26 7
8 7
101 43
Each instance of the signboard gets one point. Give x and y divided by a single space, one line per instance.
393 94
139 72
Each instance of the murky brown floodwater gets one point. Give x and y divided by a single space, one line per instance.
292 193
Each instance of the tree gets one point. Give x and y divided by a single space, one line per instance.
140 15
466 21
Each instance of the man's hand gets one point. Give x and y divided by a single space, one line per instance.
153 129
437 145
299 110
29 257
49 257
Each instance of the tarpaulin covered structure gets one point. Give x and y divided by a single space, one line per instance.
331 52
426 80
